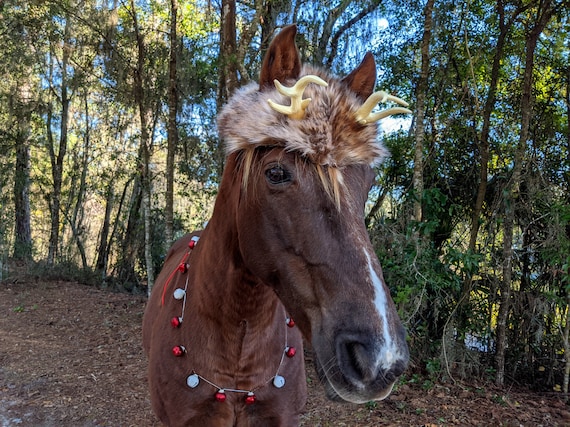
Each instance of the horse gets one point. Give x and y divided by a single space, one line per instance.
285 257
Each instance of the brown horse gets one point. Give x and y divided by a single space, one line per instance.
286 241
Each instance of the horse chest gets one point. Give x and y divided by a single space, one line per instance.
223 370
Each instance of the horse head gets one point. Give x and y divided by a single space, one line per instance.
304 144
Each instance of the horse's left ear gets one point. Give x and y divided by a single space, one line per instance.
282 59
362 79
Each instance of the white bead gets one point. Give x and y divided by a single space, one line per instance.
278 381
193 381
179 293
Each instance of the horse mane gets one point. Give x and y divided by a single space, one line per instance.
329 135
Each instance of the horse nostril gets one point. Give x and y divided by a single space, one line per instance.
399 368
363 362
356 360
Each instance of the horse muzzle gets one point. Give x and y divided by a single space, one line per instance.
361 367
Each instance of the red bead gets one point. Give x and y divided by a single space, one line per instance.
178 350
183 267
193 241
176 321
221 396
250 399
290 351
290 322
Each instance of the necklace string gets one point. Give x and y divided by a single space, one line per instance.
193 380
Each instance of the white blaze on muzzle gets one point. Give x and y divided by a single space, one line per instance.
388 352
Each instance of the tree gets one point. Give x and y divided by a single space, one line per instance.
228 79
24 104
504 24
172 122
57 151
19 100
142 101
420 112
544 11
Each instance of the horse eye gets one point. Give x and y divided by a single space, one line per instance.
277 175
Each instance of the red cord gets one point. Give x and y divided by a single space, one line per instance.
172 275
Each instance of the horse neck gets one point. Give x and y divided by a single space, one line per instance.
225 282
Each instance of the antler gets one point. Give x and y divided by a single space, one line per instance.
298 105
364 114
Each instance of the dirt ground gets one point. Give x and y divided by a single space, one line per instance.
70 355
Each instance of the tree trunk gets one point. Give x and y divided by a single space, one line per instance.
57 173
172 128
505 287
544 13
57 159
77 232
102 253
567 163
566 344
131 238
488 109
127 254
228 79
227 67
145 118
375 208
76 220
328 26
23 233
421 92
148 237
335 38
566 332
269 23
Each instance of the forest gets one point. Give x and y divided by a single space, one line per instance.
109 152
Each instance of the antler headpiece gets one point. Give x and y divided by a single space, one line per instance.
364 114
298 105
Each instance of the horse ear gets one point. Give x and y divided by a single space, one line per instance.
282 59
362 79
